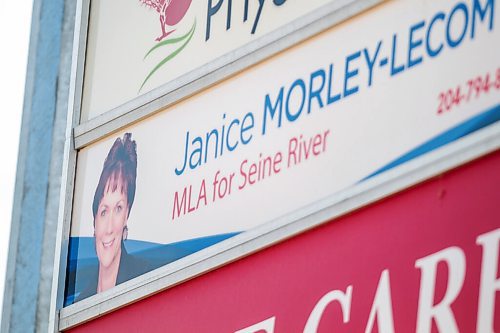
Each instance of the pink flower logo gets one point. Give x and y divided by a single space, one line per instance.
171 13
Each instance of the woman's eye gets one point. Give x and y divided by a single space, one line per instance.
103 213
118 209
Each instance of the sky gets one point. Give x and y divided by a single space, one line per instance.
15 21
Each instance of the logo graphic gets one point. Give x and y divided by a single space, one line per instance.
171 13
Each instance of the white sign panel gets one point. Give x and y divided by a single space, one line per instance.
135 46
368 95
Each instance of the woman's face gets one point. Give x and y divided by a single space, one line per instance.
110 220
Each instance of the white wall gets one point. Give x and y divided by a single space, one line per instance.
15 21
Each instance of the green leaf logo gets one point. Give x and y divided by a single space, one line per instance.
183 39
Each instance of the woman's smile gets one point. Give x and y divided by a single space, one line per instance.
110 222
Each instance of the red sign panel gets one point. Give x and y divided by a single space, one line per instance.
424 260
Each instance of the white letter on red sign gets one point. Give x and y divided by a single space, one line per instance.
382 306
490 282
266 326
344 300
441 312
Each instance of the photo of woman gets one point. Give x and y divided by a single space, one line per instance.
113 201
102 253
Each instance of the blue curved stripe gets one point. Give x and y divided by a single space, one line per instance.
82 257
482 120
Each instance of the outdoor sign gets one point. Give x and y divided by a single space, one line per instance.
411 77
425 260
135 46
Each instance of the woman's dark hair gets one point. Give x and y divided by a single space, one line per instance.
119 169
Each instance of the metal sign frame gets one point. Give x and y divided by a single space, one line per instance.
80 135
